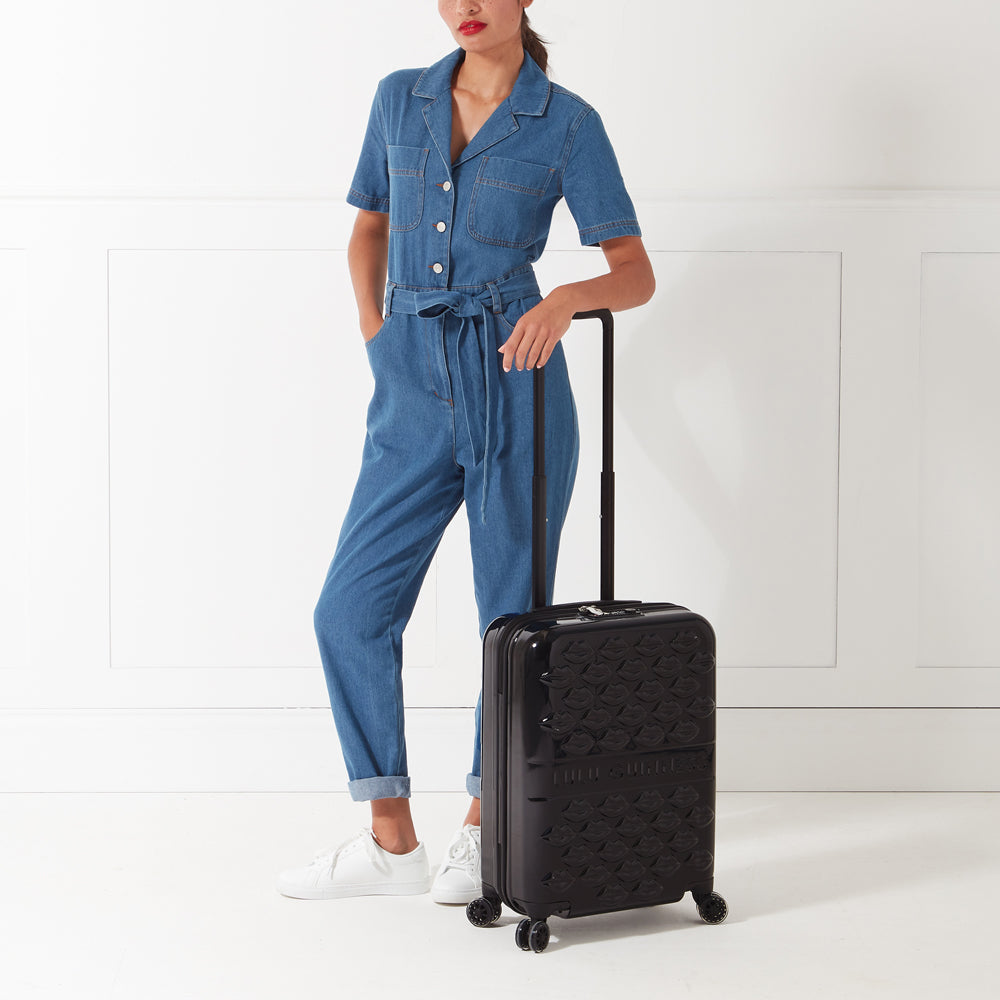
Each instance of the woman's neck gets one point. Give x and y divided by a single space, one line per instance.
490 76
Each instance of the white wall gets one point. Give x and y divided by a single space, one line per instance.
807 427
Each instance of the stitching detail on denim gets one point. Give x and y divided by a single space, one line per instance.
480 286
430 371
617 224
370 199
418 175
530 192
568 147
504 320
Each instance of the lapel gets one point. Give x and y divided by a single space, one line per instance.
529 97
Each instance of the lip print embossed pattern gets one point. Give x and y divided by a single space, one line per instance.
633 691
643 841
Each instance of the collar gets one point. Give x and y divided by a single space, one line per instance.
529 96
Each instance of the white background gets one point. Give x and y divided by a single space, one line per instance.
807 422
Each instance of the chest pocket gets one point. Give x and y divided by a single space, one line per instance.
505 201
406 186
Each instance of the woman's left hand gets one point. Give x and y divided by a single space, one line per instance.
536 334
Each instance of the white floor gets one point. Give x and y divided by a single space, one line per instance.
138 896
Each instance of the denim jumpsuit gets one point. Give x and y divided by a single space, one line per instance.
446 424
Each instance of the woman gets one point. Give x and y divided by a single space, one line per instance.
460 168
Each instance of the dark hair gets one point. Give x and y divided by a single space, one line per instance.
533 44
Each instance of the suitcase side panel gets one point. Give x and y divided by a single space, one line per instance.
503 658
608 797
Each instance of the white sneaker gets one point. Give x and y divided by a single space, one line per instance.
458 879
358 867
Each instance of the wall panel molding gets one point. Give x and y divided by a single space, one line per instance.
761 749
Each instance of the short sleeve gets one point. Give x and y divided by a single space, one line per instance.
370 187
593 186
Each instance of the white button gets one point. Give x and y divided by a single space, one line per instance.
447 185
440 227
437 268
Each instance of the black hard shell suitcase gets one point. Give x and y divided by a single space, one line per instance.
598 785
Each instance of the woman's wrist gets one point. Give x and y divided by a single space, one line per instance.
563 299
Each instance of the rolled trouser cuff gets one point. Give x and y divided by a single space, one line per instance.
474 785
366 789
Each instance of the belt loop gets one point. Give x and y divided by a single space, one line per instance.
495 292
389 288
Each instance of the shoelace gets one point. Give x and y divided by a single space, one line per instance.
327 859
463 852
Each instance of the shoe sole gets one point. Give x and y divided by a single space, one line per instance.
362 889
463 898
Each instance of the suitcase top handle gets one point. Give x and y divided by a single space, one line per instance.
538 505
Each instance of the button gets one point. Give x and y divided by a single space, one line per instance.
440 227
436 268
447 185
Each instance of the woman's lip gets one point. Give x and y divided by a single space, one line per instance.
471 27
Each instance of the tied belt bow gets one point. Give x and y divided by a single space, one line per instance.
479 396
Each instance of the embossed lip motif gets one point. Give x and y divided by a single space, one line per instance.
578 652
684 731
597 673
596 719
614 739
578 744
666 865
558 677
632 670
614 805
684 796
649 645
559 724
559 836
579 699
613 649
684 642
614 694
702 662
559 880
577 810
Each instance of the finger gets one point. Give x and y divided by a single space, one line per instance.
535 353
550 346
509 349
523 349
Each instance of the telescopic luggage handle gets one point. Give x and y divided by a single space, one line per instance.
538 505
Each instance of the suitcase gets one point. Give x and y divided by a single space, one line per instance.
598 785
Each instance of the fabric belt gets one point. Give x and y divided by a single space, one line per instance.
480 398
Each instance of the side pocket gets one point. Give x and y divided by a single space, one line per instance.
369 344
406 186
514 310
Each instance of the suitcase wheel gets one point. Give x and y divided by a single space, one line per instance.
712 908
532 935
482 911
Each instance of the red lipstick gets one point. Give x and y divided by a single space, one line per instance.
471 27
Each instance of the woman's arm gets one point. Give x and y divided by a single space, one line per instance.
629 282
367 258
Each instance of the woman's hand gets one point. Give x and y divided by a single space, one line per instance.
537 332
370 326
629 282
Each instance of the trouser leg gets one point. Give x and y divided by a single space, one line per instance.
407 491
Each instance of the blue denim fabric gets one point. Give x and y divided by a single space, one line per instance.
495 201
441 404
446 424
